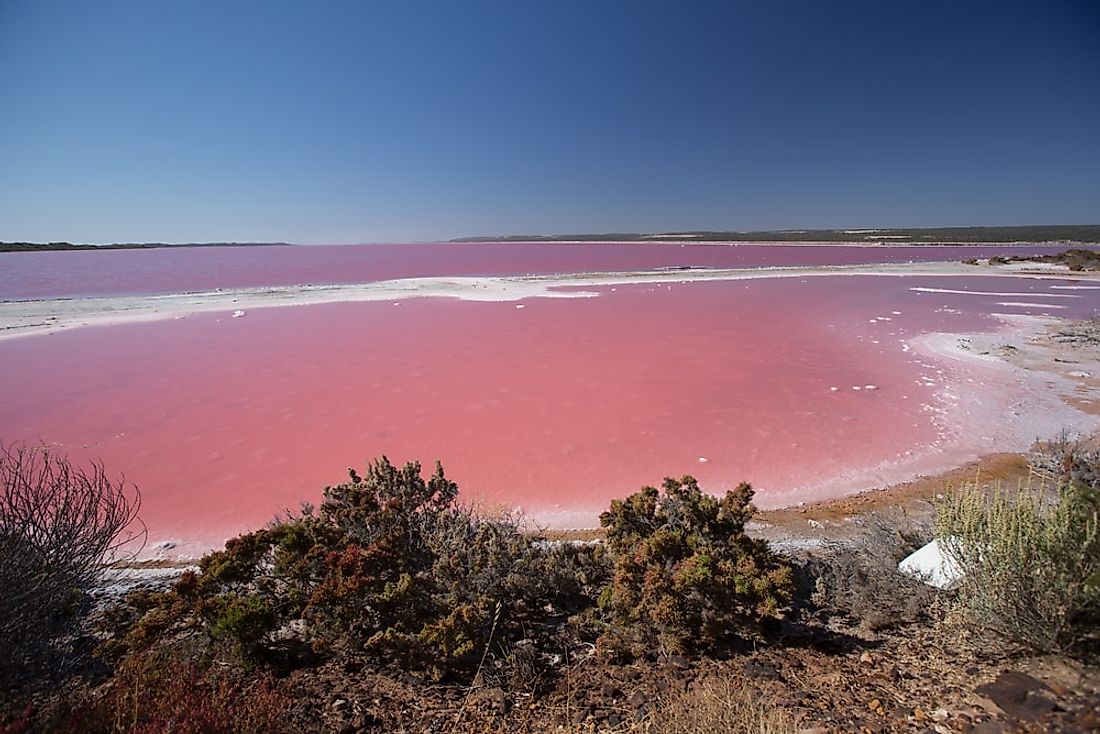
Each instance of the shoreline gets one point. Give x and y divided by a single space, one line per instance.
34 317
1053 385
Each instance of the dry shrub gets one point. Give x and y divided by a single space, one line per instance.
860 582
1031 561
61 525
157 693
716 705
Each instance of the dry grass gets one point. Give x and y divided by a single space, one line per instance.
716 704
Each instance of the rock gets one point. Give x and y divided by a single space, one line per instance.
1019 695
753 669
939 714
614 720
932 566
988 727
867 659
339 704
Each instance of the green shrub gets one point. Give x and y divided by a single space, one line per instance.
1031 563
686 576
390 566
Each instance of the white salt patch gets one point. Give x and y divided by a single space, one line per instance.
896 313
856 387
238 314
702 460
520 305
1024 304
1077 287
925 289
870 387
834 389
1080 373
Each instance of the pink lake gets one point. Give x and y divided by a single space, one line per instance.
556 407
25 275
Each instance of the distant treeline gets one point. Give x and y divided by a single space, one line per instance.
1067 233
37 246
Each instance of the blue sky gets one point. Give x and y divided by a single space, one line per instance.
399 121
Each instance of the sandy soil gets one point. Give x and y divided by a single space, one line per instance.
31 317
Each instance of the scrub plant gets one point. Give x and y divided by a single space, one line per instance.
1031 560
687 578
390 566
61 526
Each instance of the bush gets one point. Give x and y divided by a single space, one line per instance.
858 580
686 576
159 693
60 527
1032 563
390 566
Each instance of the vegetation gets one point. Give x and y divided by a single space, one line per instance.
717 705
61 525
1031 561
390 567
687 578
157 692
391 590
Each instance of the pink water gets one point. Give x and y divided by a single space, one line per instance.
26 275
556 407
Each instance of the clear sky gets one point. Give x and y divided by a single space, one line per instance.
375 120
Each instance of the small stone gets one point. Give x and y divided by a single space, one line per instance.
940 714
614 720
867 659
339 704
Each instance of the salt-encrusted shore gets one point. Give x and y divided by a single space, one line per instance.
46 316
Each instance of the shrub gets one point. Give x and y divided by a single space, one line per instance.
61 525
390 566
686 576
858 580
157 693
1032 563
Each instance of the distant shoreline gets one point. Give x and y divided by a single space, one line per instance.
67 246
1042 234
1068 234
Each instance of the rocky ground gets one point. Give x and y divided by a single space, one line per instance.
916 679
